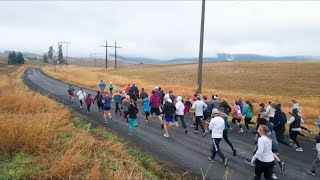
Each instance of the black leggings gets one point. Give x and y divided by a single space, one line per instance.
225 137
147 115
263 167
293 135
88 107
198 122
181 119
118 108
99 106
247 121
80 102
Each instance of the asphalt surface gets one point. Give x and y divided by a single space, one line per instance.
188 151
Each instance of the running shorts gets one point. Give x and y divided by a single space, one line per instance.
206 115
234 120
71 94
106 107
156 111
168 119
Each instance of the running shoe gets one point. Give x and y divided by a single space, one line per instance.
130 133
312 172
106 122
80 107
166 135
204 134
281 164
299 149
211 160
234 152
248 161
177 124
186 131
193 126
273 176
196 131
110 117
241 130
226 160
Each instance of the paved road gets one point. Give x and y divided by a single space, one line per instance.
189 152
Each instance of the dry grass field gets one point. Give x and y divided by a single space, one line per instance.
258 82
40 139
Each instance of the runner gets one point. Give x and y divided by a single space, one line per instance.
236 116
81 95
134 90
172 96
155 107
128 89
168 111
187 106
280 120
226 130
106 107
180 113
240 104
98 98
271 111
263 159
71 93
226 106
215 102
199 106
247 112
143 95
110 88
89 101
132 119
102 86
146 108
206 114
262 109
117 99
126 104
295 105
295 122
217 126
316 161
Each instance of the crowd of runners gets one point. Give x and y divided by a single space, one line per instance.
212 116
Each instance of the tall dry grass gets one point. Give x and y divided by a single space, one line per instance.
256 82
34 124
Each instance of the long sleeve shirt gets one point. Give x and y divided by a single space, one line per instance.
199 107
264 152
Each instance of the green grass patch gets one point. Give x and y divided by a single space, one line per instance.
18 167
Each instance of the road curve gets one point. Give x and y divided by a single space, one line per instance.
189 152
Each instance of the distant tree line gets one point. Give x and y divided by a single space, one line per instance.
14 58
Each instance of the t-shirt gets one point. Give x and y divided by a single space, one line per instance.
107 99
199 107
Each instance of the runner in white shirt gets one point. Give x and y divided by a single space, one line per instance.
81 95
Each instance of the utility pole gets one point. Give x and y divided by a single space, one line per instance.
95 58
106 46
201 48
115 54
66 51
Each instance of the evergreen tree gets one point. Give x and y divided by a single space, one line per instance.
19 58
50 53
60 54
13 57
45 57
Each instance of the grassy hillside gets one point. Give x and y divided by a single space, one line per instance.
258 82
41 139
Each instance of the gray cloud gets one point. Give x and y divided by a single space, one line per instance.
166 29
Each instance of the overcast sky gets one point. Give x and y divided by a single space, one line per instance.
164 29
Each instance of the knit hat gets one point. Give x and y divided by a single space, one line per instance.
215 111
295 111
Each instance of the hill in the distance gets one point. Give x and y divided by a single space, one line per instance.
220 57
